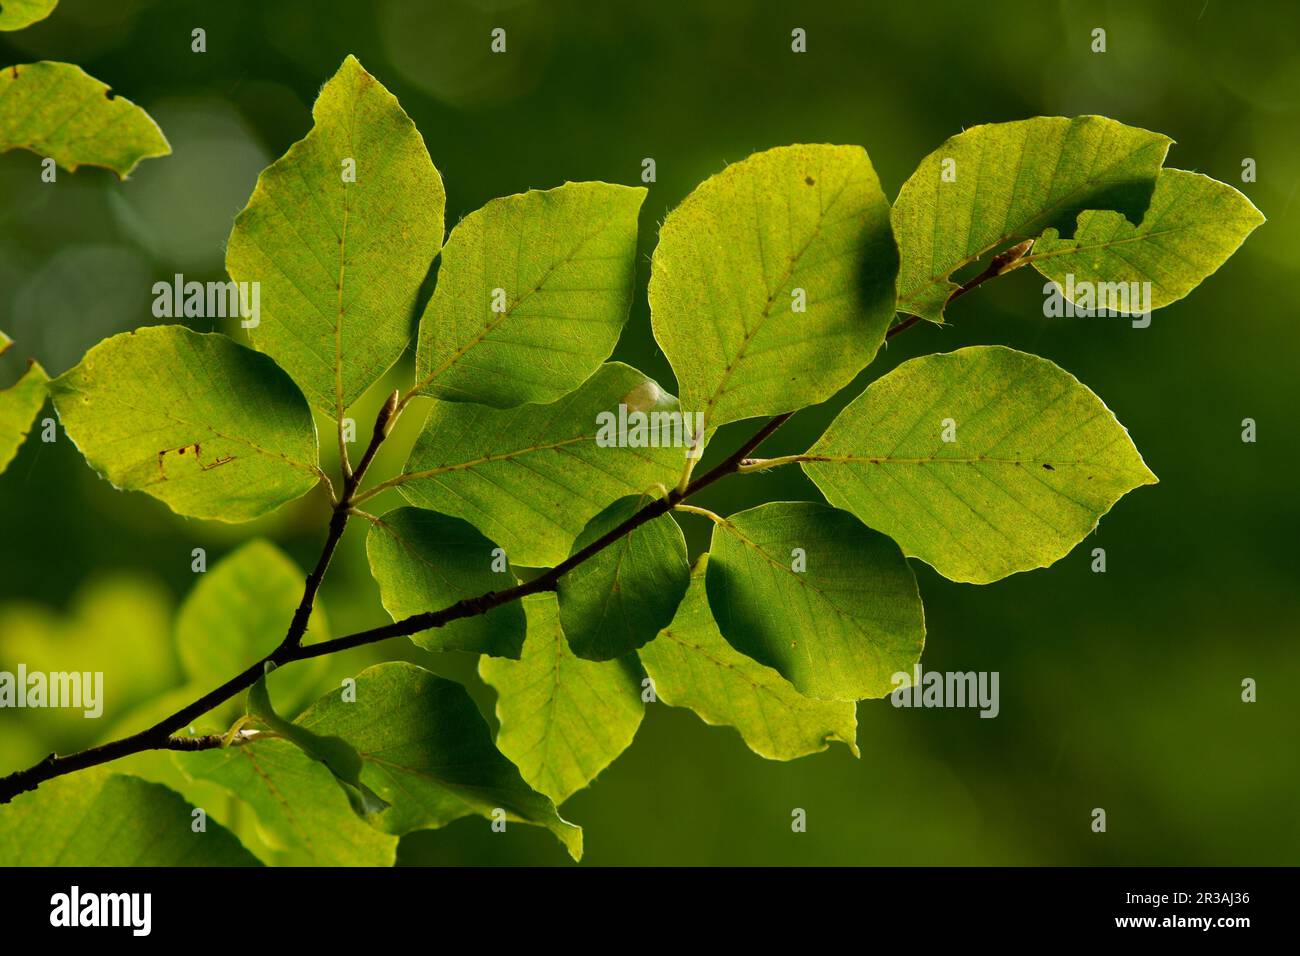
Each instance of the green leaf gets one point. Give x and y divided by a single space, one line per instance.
338 756
237 613
425 561
563 719
301 807
213 429
1194 224
623 596
1036 461
730 259
838 629
999 184
17 14
693 666
98 818
532 294
19 404
339 262
428 753
530 478
57 110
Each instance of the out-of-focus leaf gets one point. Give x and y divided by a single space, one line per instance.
99 818
237 613
19 404
17 14
58 110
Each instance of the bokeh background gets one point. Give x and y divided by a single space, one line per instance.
1119 690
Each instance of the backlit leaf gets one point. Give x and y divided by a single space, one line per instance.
429 753
300 806
532 294
530 478
734 258
622 596
213 429
563 719
340 232
1194 224
19 404
17 14
693 666
58 110
98 818
425 561
237 613
809 591
1035 461
998 184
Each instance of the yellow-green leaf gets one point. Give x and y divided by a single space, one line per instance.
302 809
99 818
619 598
429 754
58 110
19 404
530 478
1193 225
809 591
563 719
340 232
213 429
237 613
425 561
17 14
532 293
995 185
693 666
981 462
790 228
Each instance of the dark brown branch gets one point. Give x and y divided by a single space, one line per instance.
158 737
1000 264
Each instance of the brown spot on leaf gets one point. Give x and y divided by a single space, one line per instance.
1048 467
810 181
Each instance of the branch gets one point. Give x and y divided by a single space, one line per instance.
1001 264
159 736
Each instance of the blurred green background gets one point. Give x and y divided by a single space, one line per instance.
1118 690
